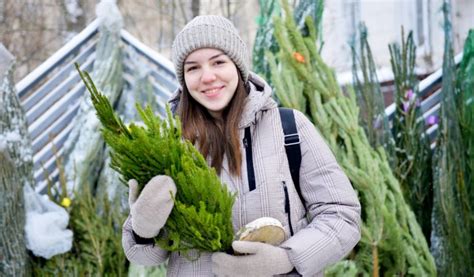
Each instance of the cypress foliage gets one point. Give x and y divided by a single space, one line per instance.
451 236
202 216
413 154
392 241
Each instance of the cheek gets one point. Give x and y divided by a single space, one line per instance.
232 75
189 81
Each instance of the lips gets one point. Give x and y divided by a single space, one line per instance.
212 91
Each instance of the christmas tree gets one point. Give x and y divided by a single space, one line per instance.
465 105
451 236
413 154
369 96
265 40
392 241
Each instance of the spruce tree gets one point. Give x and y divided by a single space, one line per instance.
265 40
202 216
392 241
465 105
369 96
451 236
413 154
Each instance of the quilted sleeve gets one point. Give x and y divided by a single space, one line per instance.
332 204
142 254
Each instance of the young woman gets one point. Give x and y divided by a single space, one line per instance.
219 102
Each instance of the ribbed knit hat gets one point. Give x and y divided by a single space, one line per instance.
209 31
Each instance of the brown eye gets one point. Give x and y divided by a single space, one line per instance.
191 68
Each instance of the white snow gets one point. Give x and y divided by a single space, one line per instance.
109 15
73 9
46 224
11 136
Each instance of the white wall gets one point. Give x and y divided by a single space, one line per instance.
383 19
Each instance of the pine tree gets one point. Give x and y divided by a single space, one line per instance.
265 40
392 241
202 216
451 236
413 154
369 96
465 105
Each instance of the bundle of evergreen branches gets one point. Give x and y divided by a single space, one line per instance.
392 241
202 216
413 154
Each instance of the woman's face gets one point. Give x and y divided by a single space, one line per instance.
211 78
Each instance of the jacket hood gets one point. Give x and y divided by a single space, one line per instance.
258 100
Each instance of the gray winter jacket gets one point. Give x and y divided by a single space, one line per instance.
331 203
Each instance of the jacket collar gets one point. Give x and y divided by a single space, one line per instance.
258 100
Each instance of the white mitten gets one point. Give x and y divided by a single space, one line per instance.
261 260
150 210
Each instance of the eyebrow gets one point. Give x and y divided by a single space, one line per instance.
213 57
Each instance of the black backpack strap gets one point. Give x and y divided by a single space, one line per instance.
248 154
292 146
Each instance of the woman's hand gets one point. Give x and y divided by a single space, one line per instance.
261 259
150 209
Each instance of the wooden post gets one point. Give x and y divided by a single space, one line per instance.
15 172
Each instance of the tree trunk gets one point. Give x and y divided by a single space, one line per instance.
15 172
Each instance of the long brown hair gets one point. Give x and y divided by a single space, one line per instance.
214 139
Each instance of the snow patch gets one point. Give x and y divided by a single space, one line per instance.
12 136
109 15
73 9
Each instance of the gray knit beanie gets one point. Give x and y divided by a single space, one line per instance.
209 31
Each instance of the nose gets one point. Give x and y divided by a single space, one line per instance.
208 75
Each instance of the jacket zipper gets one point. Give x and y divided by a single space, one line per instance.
287 207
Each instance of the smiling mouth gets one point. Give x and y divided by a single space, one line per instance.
212 91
